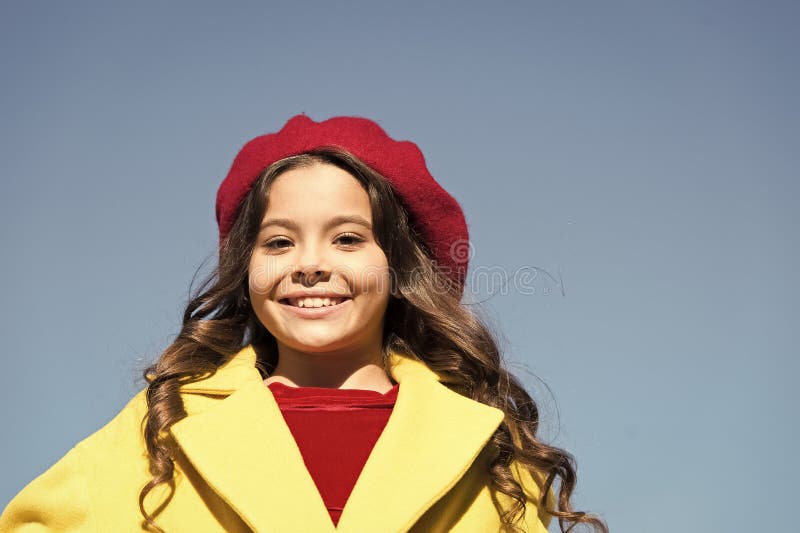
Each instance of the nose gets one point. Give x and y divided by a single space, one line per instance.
311 268
309 275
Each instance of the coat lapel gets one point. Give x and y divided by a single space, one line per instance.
432 437
244 450
246 453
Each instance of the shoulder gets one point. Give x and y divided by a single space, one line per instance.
532 484
123 432
55 500
64 497
117 450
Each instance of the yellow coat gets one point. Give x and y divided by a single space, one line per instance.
241 471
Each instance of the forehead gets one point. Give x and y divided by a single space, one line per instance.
319 188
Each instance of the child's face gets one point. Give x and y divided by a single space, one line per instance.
313 250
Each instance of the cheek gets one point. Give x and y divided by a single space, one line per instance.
374 279
262 277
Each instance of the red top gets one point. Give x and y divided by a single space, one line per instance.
335 430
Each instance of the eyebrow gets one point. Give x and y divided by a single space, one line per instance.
333 222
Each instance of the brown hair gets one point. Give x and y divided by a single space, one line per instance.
425 317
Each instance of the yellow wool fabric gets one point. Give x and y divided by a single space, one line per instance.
239 469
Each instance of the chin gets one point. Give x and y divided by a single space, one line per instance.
316 344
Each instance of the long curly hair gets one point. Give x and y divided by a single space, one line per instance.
425 316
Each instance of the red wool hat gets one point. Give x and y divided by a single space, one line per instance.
434 213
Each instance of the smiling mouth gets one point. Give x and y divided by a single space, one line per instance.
313 303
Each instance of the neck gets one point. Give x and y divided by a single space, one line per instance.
341 369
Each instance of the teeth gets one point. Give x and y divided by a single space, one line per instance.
314 302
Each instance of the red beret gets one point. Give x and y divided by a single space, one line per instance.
435 214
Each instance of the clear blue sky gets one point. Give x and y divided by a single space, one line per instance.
644 154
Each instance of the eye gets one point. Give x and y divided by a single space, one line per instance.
350 239
275 244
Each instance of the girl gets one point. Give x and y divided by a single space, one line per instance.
327 376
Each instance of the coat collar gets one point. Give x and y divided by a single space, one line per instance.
245 451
